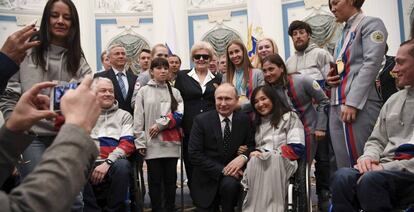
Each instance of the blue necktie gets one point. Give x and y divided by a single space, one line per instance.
121 84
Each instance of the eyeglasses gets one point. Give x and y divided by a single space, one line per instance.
162 55
199 56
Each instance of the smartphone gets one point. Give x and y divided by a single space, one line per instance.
35 37
57 94
335 67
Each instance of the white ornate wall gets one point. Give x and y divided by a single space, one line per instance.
101 20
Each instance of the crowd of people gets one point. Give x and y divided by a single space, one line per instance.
241 124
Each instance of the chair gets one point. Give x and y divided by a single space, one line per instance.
138 185
299 186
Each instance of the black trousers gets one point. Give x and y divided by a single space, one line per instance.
112 193
162 179
227 196
374 191
322 165
187 163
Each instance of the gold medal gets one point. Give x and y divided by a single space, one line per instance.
340 65
243 98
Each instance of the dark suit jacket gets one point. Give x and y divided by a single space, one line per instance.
388 86
124 104
207 154
195 102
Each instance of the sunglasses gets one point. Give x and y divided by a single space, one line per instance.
199 56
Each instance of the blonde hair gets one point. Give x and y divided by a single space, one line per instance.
157 46
256 60
202 45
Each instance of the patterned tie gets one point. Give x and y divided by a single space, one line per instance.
121 84
226 137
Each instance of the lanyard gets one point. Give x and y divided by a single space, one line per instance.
344 43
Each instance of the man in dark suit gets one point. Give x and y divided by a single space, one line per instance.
215 138
123 80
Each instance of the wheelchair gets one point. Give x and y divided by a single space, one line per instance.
299 188
137 189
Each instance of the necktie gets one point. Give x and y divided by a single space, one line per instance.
226 136
121 84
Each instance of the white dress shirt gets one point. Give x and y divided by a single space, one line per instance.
208 78
124 78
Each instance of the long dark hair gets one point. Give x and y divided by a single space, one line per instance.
162 62
278 61
231 68
73 44
278 107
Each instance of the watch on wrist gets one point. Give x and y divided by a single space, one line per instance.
109 161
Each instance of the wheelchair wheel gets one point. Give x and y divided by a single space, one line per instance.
299 189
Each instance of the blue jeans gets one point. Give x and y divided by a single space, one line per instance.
33 155
373 191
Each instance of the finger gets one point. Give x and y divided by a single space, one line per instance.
364 166
45 114
34 91
86 82
100 178
369 166
30 44
42 102
342 116
24 30
234 170
353 117
28 33
93 177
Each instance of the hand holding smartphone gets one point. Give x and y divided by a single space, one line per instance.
333 78
57 94
334 69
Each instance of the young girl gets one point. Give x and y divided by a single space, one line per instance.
158 113
241 73
279 143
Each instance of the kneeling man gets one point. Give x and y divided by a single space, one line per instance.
215 138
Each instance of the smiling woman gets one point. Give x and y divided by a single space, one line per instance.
241 73
59 57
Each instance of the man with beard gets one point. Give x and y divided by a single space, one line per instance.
308 59
313 61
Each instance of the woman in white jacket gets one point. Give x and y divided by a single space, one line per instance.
157 116
280 141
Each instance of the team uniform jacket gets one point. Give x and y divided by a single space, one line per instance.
302 90
267 175
313 62
392 142
152 106
113 133
362 58
362 62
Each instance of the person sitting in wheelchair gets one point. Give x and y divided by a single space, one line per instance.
383 178
280 141
113 134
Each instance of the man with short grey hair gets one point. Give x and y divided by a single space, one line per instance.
122 79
